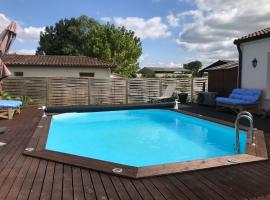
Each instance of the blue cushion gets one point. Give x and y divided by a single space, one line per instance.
241 97
10 103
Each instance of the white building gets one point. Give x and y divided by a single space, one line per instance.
57 66
254 63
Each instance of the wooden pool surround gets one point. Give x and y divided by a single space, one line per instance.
258 152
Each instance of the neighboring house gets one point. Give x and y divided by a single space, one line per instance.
222 76
254 63
57 66
163 71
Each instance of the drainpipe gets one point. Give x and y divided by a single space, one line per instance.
240 65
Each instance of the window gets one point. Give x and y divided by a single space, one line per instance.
87 74
18 73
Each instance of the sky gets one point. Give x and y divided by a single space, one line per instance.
173 32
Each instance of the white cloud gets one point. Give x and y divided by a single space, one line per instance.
105 19
24 34
4 21
152 28
30 34
173 20
143 57
25 51
211 28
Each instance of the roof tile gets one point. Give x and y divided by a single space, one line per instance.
264 33
55 60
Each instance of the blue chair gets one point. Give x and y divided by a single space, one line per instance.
240 99
8 108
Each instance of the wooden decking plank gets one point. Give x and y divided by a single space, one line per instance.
235 182
27 184
144 193
89 191
152 189
78 189
163 189
182 187
38 181
98 186
48 182
57 189
109 187
259 178
252 185
198 187
222 183
67 183
20 174
172 188
119 187
8 181
15 189
221 191
130 188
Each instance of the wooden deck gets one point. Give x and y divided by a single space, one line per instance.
23 177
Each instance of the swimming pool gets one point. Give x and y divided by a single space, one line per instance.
140 140
141 137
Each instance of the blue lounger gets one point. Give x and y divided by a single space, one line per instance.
8 107
240 99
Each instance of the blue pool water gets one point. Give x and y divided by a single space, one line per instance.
141 137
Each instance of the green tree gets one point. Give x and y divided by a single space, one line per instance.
85 36
194 67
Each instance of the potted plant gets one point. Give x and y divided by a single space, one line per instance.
6 96
182 96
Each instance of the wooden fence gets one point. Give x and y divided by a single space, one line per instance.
86 91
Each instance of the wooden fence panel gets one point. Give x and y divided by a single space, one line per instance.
100 91
198 84
118 91
67 91
137 92
36 88
153 87
84 91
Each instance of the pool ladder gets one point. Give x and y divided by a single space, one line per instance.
249 117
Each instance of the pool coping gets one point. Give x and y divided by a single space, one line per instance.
36 148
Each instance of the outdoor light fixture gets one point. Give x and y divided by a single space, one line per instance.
254 62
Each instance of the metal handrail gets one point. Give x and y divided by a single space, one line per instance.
246 115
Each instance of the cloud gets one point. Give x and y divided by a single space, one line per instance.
173 20
143 57
25 51
152 28
105 19
211 28
24 34
30 34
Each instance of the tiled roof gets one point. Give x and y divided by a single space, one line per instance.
163 69
229 65
221 65
53 60
264 33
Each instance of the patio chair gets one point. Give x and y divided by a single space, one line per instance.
241 99
9 107
167 95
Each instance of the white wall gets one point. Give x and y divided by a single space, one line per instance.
34 71
256 78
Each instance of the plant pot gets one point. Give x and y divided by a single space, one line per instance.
183 98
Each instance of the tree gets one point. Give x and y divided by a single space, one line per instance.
194 67
85 36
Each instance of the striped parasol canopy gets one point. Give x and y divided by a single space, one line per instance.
7 37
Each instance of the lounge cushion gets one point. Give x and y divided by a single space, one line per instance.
241 97
10 103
